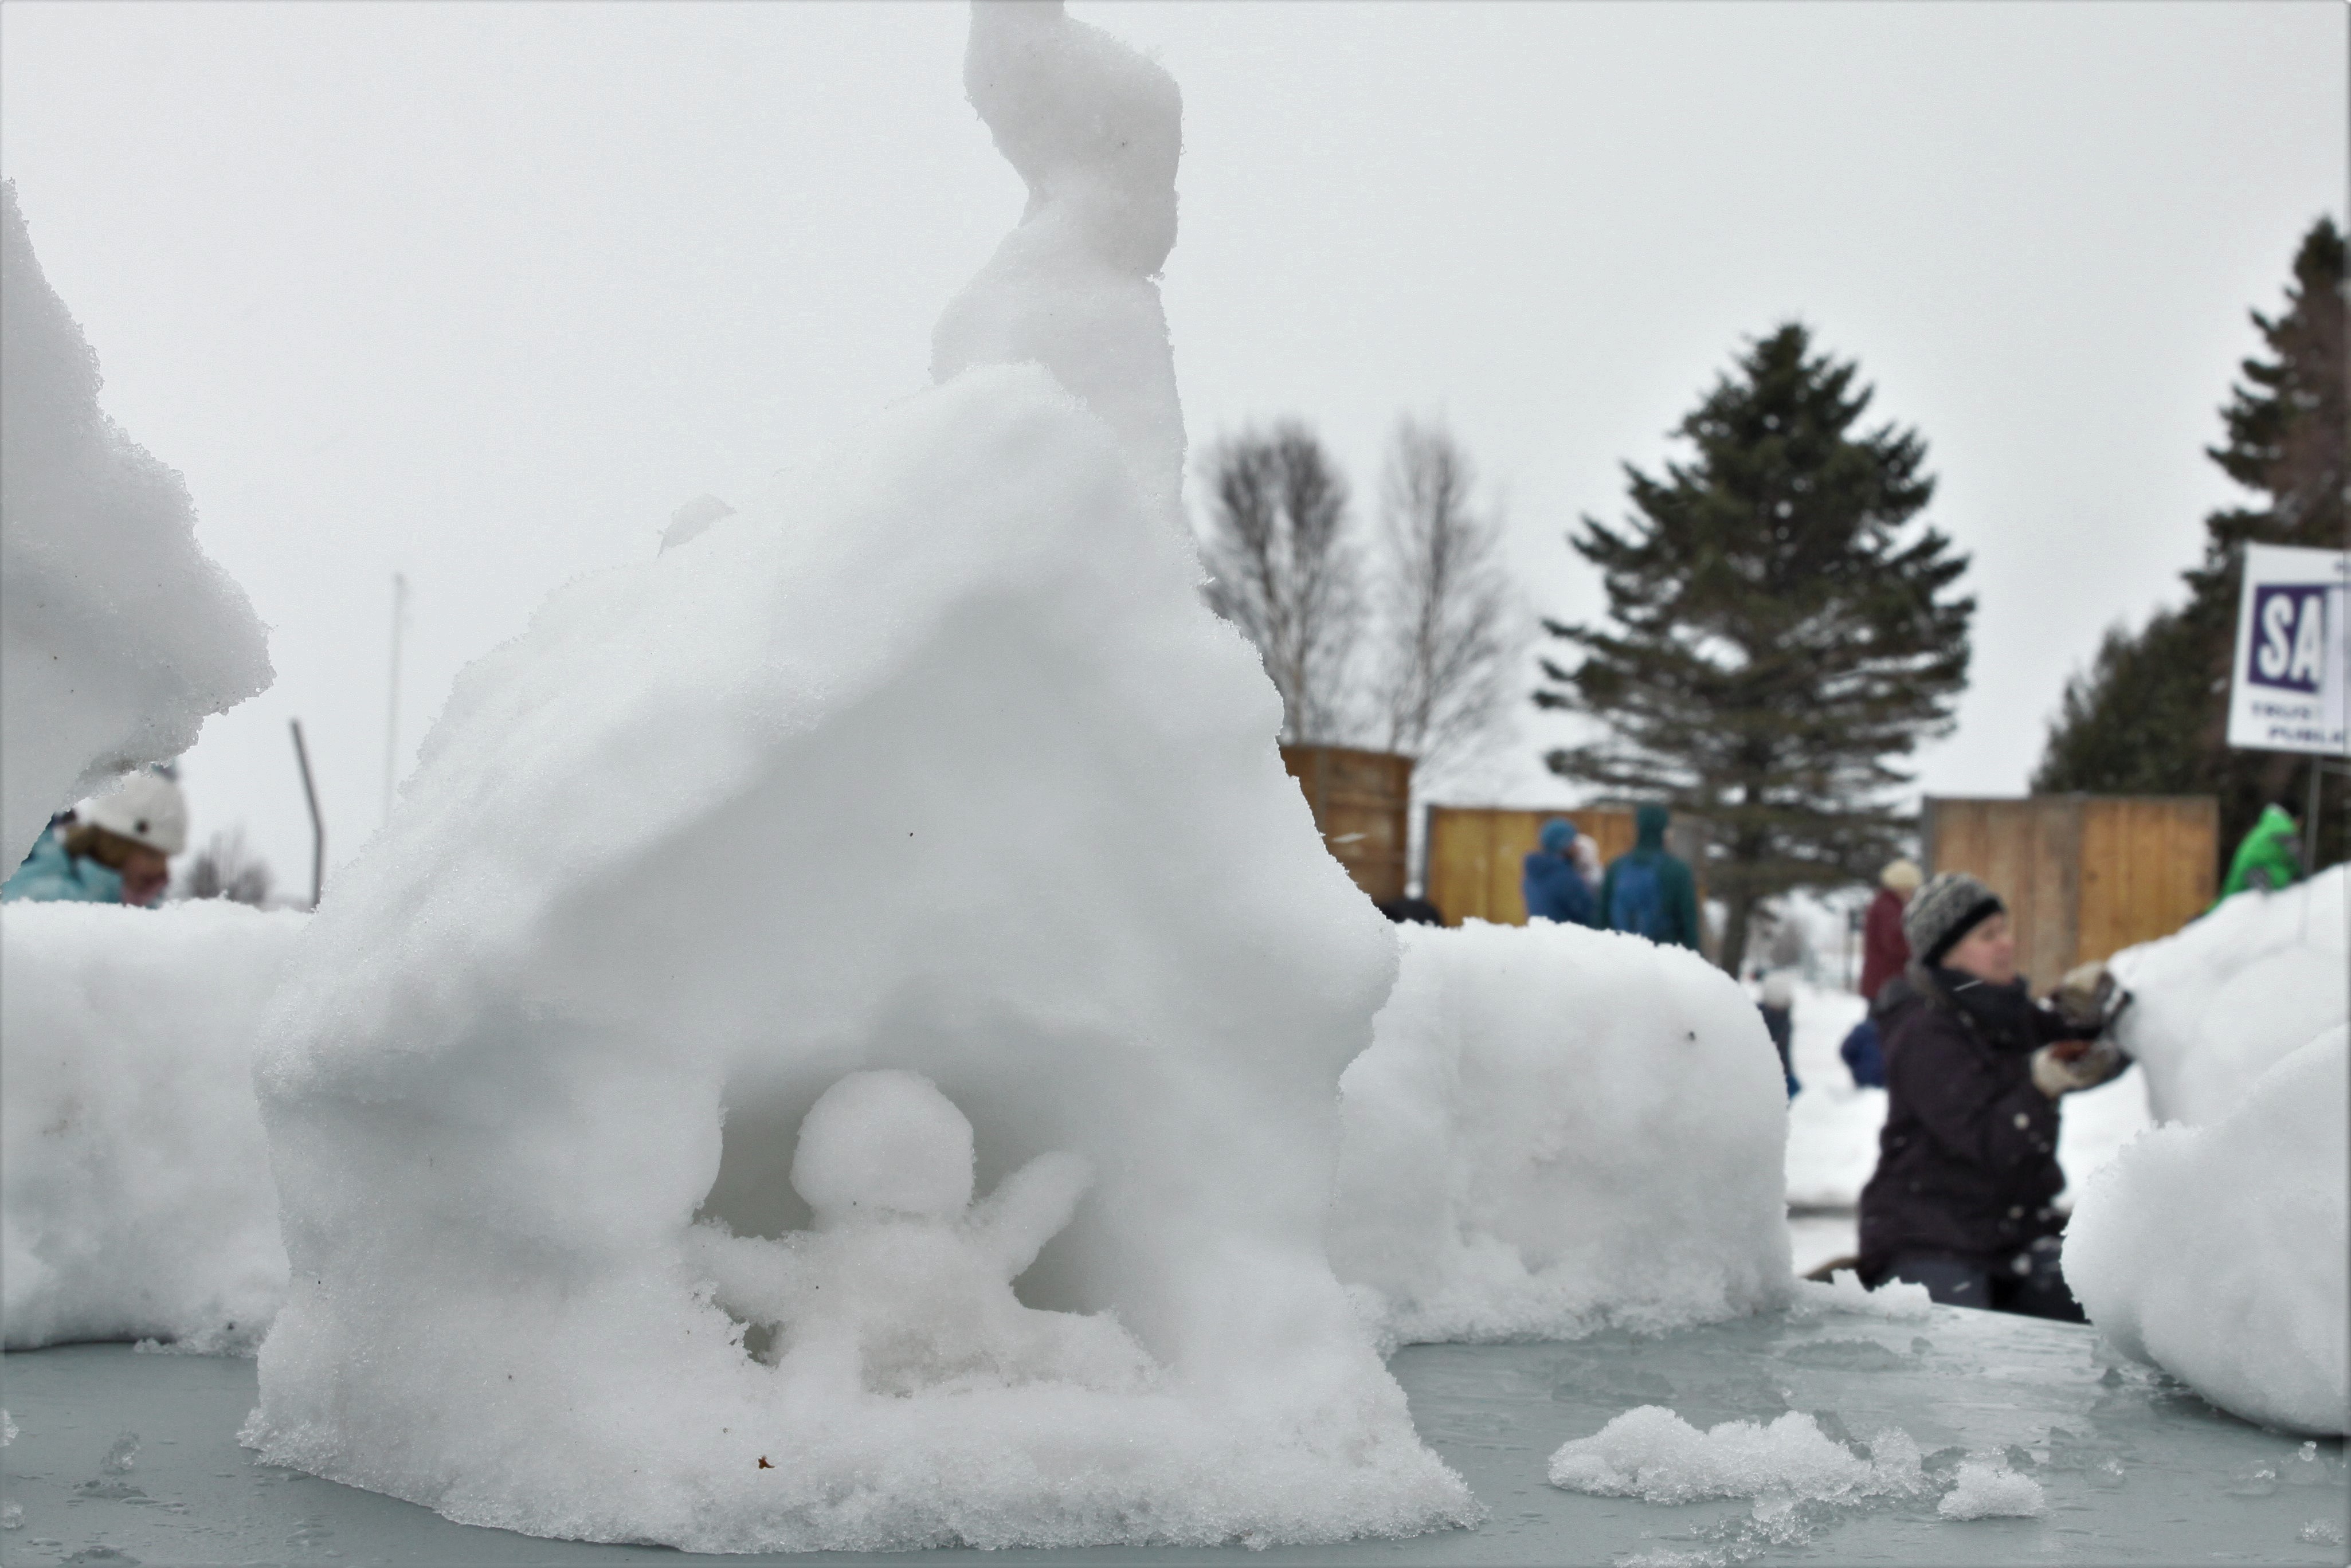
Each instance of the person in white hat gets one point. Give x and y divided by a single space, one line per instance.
116 850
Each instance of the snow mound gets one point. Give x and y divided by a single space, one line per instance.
135 1192
2236 991
2220 1252
1653 1454
1986 1488
922 794
118 634
1558 1129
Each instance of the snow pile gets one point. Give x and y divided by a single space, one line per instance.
1898 1301
929 764
135 1193
1985 1488
2215 1006
2218 1252
1653 1454
1557 1129
118 635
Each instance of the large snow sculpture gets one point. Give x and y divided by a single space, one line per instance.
929 762
2216 1245
135 1198
118 635
1558 1129
2224 1253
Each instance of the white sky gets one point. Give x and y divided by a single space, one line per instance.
483 293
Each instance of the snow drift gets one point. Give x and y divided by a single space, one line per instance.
135 1198
928 765
2216 1245
118 635
1558 1129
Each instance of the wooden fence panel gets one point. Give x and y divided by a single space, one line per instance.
1361 802
2146 868
2028 851
1476 852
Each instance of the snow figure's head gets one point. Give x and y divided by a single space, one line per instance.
882 1143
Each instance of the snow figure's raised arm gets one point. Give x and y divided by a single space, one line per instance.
755 1278
1095 130
1029 1208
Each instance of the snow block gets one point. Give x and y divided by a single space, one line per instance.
2220 1252
2235 992
1558 1130
135 1193
118 634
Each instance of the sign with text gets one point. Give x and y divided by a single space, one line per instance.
2291 683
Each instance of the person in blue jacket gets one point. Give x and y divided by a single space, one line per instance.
1650 892
119 851
1554 888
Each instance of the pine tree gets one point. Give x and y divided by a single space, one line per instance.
1778 632
2150 715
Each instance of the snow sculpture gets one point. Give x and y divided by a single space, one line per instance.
2216 1005
1095 130
135 1198
1558 1129
903 1286
929 761
118 635
2223 1253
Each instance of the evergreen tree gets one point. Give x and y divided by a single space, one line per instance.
1779 633
2150 715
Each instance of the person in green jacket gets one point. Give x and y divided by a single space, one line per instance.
2271 855
1649 892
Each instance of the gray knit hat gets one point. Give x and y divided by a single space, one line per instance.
1949 906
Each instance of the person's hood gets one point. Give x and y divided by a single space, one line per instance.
1557 834
2275 823
1649 826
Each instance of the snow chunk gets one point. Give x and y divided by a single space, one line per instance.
1557 1129
2220 1252
1897 1300
1986 1488
118 634
135 1191
930 761
2236 991
1653 1454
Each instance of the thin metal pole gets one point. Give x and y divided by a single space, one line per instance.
392 715
318 823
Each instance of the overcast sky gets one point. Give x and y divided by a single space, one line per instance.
482 292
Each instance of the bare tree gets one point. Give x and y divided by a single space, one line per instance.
1447 631
1283 568
226 868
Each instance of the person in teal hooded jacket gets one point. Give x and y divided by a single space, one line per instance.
2270 857
1648 892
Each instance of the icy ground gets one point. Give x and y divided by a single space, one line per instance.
2130 1466
1833 1130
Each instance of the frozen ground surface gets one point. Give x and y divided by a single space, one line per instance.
2133 1467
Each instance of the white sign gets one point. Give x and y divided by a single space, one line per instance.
2291 681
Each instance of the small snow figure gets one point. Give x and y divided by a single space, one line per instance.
905 1285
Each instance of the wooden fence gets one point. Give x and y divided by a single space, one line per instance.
1361 802
2084 876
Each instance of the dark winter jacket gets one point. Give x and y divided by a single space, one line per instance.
1549 882
1884 949
1966 1164
1649 891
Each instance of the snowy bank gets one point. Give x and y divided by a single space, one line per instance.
2216 1245
1558 1129
922 796
135 1195
118 634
